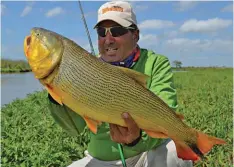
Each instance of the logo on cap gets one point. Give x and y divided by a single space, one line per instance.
113 8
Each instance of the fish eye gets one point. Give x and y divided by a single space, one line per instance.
38 34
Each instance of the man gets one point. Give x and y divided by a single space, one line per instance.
118 35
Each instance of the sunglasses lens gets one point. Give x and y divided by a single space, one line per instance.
115 31
101 31
118 31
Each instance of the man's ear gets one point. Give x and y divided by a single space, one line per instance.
136 35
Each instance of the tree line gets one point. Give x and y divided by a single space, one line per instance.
8 65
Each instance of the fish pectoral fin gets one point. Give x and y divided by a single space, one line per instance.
92 124
160 133
137 76
54 95
179 115
186 152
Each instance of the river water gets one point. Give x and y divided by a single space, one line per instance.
18 86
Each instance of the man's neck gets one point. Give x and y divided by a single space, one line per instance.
129 61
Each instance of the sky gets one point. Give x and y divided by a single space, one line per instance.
197 33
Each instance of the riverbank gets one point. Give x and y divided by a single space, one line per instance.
14 66
7 71
30 137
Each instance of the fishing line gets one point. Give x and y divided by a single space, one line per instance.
93 53
86 28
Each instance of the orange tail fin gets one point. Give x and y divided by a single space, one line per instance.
205 142
195 151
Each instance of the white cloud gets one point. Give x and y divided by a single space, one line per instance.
228 8
185 5
193 46
209 25
197 52
189 50
168 34
26 11
152 38
3 8
149 41
155 24
54 12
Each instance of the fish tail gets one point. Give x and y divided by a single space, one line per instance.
195 151
206 142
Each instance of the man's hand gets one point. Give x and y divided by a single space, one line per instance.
127 134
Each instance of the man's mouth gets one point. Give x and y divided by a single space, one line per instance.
111 51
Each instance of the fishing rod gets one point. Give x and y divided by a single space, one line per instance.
93 53
86 28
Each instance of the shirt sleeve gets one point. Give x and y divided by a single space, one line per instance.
162 85
70 121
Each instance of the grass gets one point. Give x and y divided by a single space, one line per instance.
29 136
205 99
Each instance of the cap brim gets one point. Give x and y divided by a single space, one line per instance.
114 18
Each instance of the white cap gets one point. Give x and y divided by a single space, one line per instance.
118 11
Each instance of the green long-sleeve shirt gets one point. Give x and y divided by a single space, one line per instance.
101 146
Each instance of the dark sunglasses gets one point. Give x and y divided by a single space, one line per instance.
116 31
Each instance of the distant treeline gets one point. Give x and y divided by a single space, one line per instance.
8 65
197 68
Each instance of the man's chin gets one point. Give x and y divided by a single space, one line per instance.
111 58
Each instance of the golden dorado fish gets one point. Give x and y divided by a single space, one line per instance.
101 92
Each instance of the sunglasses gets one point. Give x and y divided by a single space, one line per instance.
116 31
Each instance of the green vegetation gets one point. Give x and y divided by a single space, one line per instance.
8 66
29 136
178 64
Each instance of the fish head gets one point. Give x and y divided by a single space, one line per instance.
43 50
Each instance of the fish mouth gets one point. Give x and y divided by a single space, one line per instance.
27 42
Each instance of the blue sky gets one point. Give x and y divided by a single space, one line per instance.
197 33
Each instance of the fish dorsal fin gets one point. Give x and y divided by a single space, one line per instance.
137 76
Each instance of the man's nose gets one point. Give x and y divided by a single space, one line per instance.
109 39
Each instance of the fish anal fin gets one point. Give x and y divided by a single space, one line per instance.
54 94
185 152
137 76
206 142
92 124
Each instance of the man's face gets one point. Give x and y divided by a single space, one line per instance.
114 49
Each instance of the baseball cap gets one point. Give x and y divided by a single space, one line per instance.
118 11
